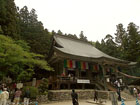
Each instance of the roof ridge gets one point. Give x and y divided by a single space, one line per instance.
65 36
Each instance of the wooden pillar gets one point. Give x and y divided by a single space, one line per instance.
58 85
113 98
104 79
83 86
64 69
116 73
89 74
68 85
77 73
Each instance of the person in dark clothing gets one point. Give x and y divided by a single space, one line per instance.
74 96
95 95
119 94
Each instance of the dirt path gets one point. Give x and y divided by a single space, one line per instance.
90 102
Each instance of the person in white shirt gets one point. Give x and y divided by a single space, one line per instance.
135 91
4 96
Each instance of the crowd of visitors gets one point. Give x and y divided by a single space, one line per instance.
13 95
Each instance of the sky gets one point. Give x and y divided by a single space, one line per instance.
96 18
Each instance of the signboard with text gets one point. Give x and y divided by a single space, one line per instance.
83 81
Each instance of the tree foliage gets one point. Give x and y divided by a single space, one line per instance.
72 36
43 88
133 46
8 18
16 60
33 31
82 37
121 40
126 44
108 46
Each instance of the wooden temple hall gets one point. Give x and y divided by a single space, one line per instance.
79 65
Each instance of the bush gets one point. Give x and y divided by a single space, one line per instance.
33 91
43 88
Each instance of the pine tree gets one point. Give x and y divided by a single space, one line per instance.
8 18
59 32
133 48
82 37
33 31
121 40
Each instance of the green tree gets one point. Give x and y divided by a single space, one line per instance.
59 32
133 48
98 45
16 60
2 12
101 46
108 46
126 45
33 32
8 18
43 87
92 43
120 34
72 36
53 32
121 40
82 37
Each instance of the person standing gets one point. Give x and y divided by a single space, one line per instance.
17 96
95 96
135 91
119 90
74 96
0 96
4 96
27 97
116 83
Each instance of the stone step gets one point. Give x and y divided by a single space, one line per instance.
127 96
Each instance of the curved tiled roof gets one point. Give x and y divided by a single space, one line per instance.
80 48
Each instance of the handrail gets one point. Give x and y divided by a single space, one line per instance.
130 76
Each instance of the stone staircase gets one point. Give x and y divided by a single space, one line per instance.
111 88
99 86
127 96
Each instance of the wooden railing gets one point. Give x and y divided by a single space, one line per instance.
69 79
66 79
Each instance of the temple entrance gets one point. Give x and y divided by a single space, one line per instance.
63 86
89 86
83 73
71 73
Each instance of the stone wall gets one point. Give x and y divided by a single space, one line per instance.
60 95
42 98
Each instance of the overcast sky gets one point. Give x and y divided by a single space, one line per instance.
96 18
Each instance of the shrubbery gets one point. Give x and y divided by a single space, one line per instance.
33 91
43 88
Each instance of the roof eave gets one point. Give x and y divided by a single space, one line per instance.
102 60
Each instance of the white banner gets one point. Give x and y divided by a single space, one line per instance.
83 81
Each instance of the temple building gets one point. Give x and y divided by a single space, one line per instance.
80 65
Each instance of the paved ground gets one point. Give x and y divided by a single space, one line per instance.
90 102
